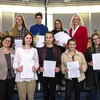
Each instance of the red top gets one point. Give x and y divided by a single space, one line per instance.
81 37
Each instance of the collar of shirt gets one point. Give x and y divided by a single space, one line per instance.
73 31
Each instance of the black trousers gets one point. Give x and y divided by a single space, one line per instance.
6 89
73 85
49 88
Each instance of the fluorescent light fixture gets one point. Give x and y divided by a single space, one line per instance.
95 9
70 9
21 9
66 0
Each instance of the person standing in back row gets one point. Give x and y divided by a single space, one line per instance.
58 28
38 28
79 33
19 28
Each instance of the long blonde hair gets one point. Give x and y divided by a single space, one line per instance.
80 20
14 31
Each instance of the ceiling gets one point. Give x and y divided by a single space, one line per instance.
50 3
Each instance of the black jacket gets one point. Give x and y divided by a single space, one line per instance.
92 76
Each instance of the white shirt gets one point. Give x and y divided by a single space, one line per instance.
73 31
22 55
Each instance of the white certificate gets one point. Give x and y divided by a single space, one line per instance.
96 61
62 38
49 68
73 68
27 69
18 43
39 41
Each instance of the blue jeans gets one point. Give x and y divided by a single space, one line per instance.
93 94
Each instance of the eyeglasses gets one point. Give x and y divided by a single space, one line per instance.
96 39
72 44
7 40
57 23
76 19
38 18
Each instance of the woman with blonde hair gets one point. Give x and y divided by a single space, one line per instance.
19 28
79 32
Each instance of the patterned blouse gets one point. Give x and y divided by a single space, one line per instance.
21 33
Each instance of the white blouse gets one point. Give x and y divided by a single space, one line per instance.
74 31
22 55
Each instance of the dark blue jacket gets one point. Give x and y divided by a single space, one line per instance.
38 29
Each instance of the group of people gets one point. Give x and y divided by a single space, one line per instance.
13 62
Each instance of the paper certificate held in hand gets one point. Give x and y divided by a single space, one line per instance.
18 43
73 68
27 69
62 38
96 61
39 41
49 67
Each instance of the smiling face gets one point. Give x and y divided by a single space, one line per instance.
72 45
76 20
49 38
6 42
57 25
28 39
96 40
19 21
38 19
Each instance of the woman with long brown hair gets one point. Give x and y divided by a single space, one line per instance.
92 75
26 57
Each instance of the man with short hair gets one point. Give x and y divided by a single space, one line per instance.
38 28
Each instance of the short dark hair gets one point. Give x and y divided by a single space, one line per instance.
7 36
71 40
27 33
38 14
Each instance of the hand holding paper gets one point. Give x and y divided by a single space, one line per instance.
96 61
57 69
73 68
80 68
66 70
18 43
34 69
41 69
19 69
62 38
28 69
49 68
39 41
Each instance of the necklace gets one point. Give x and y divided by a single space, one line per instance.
6 51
